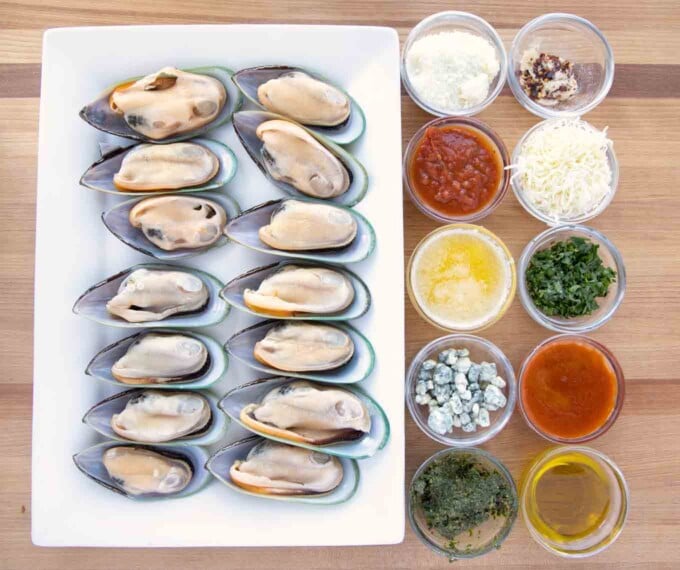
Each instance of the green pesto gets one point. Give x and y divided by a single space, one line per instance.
457 494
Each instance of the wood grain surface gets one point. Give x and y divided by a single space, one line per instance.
643 115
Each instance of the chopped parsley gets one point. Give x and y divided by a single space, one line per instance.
457 494
566 279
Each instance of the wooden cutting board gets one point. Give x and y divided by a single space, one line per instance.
643 116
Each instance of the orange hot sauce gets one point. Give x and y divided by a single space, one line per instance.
569 389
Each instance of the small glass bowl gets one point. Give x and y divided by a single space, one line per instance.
490 135
518 189
620 389
493 318
607 305
485 538
480 350
456 21
576 40
611 527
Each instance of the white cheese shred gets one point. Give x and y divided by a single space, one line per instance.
563 168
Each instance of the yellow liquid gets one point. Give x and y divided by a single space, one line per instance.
461 278
569 498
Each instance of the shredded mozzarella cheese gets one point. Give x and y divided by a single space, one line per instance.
452 70
563 168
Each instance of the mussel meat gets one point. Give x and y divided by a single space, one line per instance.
169 102
273 468
305 412
303 347
301 289
153 294
155 416
160 358
179 222
171 166
140 471
305 99
300 226
290 154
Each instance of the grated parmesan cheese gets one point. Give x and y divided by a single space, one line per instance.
452 70
563 168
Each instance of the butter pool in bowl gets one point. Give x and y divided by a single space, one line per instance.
461 278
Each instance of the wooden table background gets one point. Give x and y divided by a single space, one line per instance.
643 115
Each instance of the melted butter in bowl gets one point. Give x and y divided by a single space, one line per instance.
461 277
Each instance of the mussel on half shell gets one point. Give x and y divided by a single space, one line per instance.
304 96
299 161
166 106
290 154
153 169
145 472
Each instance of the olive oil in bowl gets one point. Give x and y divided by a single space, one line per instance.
574 501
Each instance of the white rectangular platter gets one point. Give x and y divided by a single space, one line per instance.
74 250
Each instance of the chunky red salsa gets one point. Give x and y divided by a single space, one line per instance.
455 170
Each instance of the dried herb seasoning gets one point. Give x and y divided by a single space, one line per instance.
457 494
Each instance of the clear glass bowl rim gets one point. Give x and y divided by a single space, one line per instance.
501 419
451 15
559 450
495 139
620 390
519 191
510 259
500 538
546 112
532 247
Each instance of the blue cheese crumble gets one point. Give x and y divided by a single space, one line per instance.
458 392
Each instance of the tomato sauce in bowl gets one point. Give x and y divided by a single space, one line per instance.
454 169
571 389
